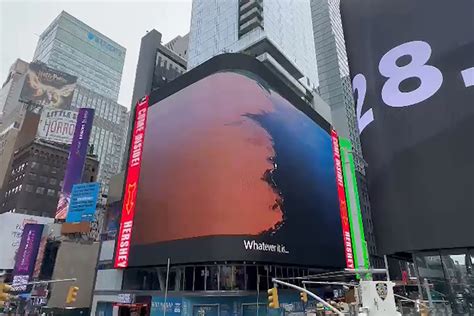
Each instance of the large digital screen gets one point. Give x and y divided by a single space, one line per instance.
83 202
412 69
231 170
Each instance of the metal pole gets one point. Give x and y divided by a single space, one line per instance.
46 281
386 267
361 271
258 290
310 294
428 292
166 286
331 283
410 300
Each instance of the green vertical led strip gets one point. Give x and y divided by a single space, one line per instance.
359 245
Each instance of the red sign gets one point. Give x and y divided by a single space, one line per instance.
122 250
346 231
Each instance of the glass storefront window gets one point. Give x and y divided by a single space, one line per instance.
451 277
212 280
456 265
227 278
214 277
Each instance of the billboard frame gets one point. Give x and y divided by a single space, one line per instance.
229 61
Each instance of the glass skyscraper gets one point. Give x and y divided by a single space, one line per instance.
335 88
277 32
71 46
333 70
108 135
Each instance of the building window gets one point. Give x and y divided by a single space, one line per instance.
46 168
35 165
39 190
28 188
51 192
43 179
53 181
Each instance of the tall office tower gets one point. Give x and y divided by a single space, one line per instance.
109 131
157 65
334 82
71 46
17 125
11 88
277 32
335 88
34 183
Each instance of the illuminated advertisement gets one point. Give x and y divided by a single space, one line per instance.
413 81
113 219
346 231
359 245
231 170
130 192
48 87
76 159
26 256
83 202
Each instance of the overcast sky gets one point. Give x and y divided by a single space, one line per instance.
21 21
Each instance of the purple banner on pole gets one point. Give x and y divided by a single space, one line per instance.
77 158
26 256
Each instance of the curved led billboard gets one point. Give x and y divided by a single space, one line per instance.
412 69
230 170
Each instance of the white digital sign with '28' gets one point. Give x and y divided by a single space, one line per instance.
430 78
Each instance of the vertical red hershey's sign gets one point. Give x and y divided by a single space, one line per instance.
122 250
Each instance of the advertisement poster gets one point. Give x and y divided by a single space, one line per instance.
77 158
48 87
83 202
26 256
57 125
11 230
133 172
113 219
413 78
172 307
346 231
237 167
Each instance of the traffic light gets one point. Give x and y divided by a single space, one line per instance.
72 294
304 297
273 298
4 289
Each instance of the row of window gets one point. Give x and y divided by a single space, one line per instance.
46 168
30 188
41 190
19 168
209 278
